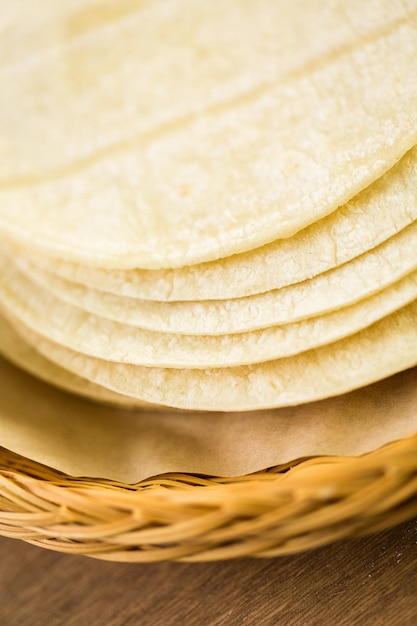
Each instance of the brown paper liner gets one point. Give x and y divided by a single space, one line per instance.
84 438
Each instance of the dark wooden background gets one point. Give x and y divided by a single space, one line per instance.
370 581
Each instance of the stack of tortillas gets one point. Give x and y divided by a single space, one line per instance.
209 205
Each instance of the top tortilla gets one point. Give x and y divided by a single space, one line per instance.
251 121
375 215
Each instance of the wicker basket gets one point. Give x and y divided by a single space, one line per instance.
286 509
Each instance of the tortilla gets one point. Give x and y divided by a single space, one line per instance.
19 352
379 212
72 327
383 349
340 287
251 121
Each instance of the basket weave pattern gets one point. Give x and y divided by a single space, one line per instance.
283 510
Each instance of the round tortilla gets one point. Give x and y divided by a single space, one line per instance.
252 121
15 349
387 347
335 289
378 213
72 327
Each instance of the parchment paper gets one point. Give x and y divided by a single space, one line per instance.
82 438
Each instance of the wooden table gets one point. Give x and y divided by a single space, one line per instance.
370 581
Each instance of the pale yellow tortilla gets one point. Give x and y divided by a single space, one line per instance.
387 347
37 31
382 210
19 352
337 288
72 327
86 439
185 131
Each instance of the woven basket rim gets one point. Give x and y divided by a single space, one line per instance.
20 465
292 507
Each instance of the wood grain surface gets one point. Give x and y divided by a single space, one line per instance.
361 581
